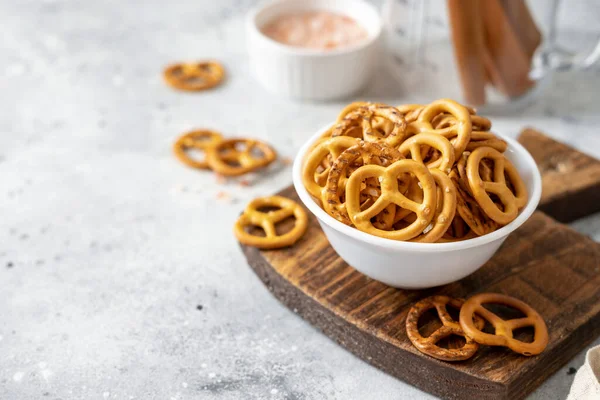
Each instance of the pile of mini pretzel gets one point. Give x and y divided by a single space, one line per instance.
424 173
228 157
471 323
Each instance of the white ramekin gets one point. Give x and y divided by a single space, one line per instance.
410 265
313 74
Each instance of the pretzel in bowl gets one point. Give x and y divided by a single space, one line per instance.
379 123
410 111
364 153
318 162
504 329
390 193
461 130
511 201
445 209
252 216
413 146
478 123
233 157
475 189
469 209
486 139
194 76
428 345
202 140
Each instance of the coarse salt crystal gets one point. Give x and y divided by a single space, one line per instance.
428 228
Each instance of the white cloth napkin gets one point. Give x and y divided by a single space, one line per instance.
586 385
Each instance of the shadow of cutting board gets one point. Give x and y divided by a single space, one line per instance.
553 268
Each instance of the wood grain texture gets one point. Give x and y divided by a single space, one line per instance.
570 178
546 264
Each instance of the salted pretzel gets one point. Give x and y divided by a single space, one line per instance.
503 168
390 193
202 140
504 329
367 118
461 130
478 123
365 153
314 173
469 209
410 111
468 198
194 76
413 145
350 108
233 157
457 231
267 221
413 192
486 139
445 209
428 345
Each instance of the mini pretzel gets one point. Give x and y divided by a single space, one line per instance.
350 108
388 178
428 345
486 139
413 146
370 119
226 159
379 123
368 153
510 201
332 147
413 192
410 111
267 220
503 328
392 138
478 122
200 140
469 210
194 76
461 129
445 210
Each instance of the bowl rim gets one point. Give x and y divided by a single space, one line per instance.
323 217
253 28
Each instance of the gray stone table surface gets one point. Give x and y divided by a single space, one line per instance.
119 275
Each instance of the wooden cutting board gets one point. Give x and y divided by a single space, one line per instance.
570 179
553 268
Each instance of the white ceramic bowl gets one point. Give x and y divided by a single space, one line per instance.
410 265
313 74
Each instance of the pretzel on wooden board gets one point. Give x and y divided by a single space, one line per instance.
504 329
428 345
